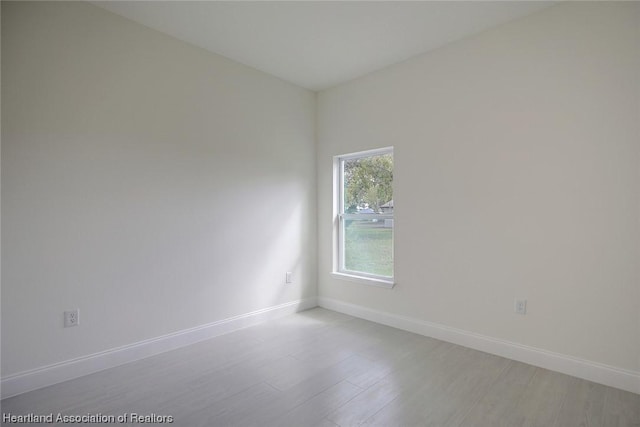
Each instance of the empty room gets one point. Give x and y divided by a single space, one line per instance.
320 213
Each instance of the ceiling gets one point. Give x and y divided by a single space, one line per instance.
319 44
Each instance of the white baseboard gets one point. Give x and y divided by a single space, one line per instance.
592 371
48 375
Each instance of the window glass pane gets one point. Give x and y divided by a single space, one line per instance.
367 184
368 246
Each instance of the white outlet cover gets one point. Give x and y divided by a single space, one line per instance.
521 306
71 318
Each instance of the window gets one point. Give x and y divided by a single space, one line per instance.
363 235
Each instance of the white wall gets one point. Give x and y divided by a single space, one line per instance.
517 156
149 183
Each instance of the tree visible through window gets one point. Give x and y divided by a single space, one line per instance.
365 216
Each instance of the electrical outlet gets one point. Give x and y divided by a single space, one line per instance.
521 306
288 277
71 318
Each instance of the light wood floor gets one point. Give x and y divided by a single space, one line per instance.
319 368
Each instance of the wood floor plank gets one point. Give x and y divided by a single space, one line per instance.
621 409
225 411
497 405
388 358
315 409
451 385
406 377
298 394
542 400
325 422
583 406
296 371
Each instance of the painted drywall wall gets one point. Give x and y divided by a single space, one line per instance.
151 184
517 156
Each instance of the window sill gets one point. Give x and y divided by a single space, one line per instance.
364 280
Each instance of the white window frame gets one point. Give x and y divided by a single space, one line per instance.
339 216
